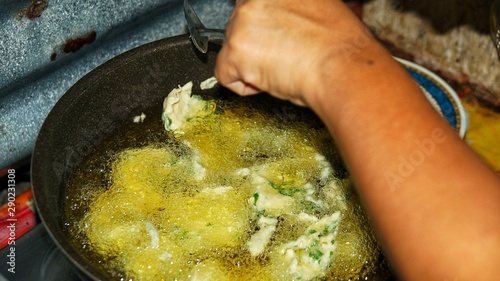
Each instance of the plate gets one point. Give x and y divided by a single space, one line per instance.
440 94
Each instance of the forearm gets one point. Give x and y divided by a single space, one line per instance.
408 165
433 202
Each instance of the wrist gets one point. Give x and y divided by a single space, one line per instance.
347 72
370 87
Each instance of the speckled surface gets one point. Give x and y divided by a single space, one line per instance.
31 80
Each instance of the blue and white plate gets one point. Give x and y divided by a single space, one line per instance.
439 93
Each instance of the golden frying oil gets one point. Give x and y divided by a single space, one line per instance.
138 191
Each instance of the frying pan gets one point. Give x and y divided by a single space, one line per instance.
95 108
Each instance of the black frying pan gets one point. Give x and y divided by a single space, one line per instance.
98 106
93 109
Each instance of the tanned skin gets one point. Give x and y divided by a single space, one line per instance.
434 203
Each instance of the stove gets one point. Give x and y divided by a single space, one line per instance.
37 257
28 252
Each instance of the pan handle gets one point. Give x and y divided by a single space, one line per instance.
200 35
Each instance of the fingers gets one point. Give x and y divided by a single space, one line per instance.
242 88
231 69
278 47
227 74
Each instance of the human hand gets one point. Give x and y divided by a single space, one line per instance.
318 54
286 47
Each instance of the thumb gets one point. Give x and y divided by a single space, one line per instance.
228 76
242 88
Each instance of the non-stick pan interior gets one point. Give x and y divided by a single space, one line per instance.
94 108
